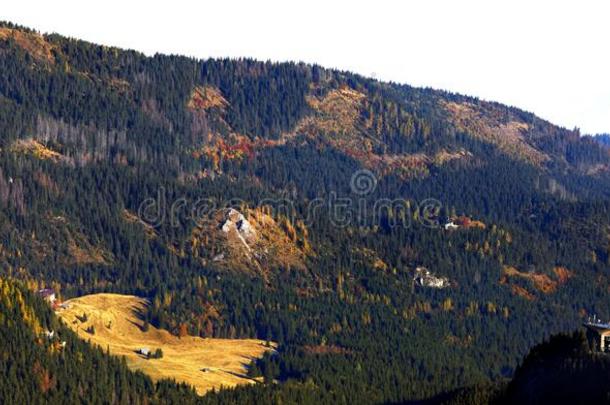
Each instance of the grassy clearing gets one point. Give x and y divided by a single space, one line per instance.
203 363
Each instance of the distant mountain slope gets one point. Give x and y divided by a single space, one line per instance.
227 109
604 139
298 204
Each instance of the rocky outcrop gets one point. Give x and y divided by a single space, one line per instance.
251 241
424 278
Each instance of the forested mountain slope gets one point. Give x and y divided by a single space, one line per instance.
117 172
44 362
604 139
560 370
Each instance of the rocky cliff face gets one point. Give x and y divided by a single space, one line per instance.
253 243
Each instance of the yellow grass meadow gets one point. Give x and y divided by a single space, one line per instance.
203 363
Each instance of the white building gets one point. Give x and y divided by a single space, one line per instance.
48 295
450 225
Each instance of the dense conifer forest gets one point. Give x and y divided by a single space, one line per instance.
44 362
110 159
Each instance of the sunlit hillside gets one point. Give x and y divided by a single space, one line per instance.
111 321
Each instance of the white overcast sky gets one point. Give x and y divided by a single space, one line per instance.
548 57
